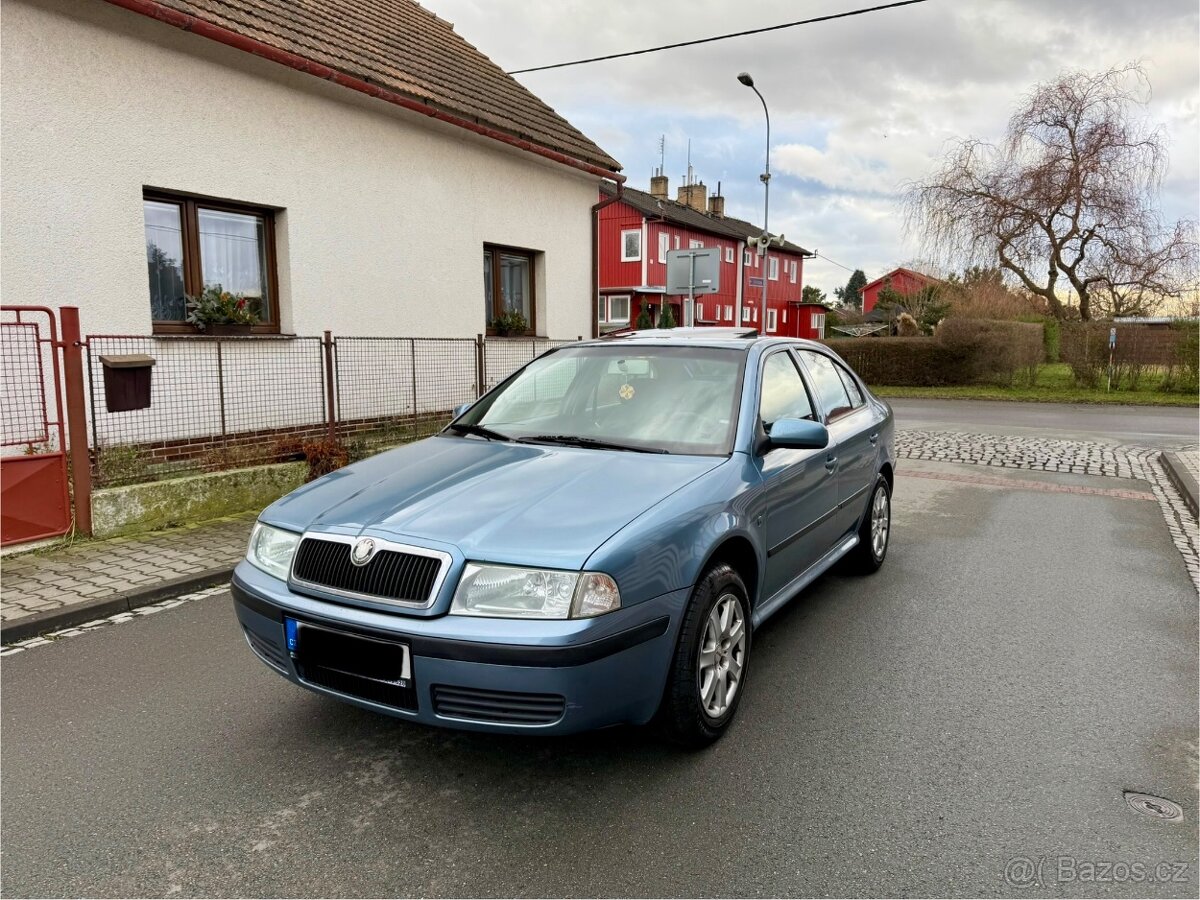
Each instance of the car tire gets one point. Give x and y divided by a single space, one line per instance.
874 533
713 652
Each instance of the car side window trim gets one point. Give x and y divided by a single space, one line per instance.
762 370
839 413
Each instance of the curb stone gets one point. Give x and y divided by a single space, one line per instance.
77 613
1183 480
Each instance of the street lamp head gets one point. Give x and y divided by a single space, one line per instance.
745 79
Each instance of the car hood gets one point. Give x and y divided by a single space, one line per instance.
496 502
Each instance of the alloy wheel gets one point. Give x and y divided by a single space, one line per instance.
881 516
722 656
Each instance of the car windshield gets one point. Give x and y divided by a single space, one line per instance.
654 399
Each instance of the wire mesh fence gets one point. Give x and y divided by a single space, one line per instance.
391 390
217 403
32 414
229 402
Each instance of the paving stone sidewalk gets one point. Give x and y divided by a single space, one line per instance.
66 585
85 572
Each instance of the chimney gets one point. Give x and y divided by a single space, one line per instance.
716 204
692 195
658 187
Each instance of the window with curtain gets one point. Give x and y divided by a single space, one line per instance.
508 284
193 244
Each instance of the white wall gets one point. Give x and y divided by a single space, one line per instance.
383 213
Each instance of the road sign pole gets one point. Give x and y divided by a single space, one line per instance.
1112 345
690 318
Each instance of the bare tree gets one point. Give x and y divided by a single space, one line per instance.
1067 202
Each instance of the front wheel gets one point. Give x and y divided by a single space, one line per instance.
874 532
708 673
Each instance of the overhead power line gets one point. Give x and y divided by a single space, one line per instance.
719 37
834 261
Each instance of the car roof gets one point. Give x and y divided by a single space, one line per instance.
729 338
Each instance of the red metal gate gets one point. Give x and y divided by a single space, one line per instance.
34 495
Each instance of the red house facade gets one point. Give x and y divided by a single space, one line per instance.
635 233
904 281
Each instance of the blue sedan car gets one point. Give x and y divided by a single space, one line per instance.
593 542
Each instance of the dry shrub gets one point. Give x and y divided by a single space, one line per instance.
906 326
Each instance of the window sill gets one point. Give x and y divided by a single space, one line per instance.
174 331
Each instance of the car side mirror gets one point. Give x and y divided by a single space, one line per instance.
798 434
461 408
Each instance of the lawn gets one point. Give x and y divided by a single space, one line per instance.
1054 385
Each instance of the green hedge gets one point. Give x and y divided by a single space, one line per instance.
962 351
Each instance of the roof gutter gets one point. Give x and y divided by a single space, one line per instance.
186 22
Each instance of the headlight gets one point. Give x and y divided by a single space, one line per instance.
271 549
511 592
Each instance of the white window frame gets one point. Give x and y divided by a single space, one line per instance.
694 244
676 242
699 311
785 315
754 313
772 320
728 254
745 315
604 309
728 312
792 273
625 232
664 246
746 259
818 324
773 268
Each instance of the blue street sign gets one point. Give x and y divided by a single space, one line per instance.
1112 338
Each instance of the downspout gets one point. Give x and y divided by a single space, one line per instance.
186 22
619 195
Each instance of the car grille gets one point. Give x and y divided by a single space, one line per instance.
265 650
390 574
497 706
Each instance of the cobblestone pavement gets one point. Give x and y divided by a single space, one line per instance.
91 570
88 570
1079 457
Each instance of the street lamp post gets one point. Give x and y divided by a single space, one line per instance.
765 177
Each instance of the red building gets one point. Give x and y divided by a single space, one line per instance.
635 233
904 281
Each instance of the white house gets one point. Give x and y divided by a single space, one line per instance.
357 167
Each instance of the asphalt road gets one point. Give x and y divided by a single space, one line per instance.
1163 427
1022 659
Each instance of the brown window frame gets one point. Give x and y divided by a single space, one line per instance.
193 278
497 300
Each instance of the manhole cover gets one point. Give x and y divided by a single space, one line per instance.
1157 807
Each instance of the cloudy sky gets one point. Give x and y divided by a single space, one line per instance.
857 105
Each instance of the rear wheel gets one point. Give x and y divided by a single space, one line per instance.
708 673
874 532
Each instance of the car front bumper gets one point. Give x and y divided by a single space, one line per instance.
604 671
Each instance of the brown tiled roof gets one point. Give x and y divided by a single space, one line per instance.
402 47
682 214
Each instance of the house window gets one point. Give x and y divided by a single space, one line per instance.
771 320
785 315
631 246
745 314
676 242
746 259
728 254
792 273
664 244
508 284
613 310
773 268
193 244
754 314
695 245
699 312
818 324
728 313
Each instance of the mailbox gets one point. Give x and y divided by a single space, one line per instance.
127 381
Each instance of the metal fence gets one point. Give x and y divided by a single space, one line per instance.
227 402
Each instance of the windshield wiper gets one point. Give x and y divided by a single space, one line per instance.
575 440
477 430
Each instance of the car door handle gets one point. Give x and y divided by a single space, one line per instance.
831 463
875 438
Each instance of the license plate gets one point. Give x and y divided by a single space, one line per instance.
372 668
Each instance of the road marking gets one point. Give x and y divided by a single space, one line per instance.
1022 484
50 637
